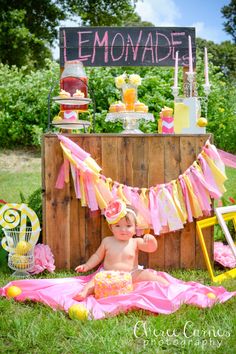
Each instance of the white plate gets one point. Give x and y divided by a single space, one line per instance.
79 124
71 101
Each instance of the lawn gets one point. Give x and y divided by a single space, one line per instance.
34 328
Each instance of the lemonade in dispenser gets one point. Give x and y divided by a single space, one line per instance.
74 78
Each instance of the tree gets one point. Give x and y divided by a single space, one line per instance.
222 56
28 28
103 12
229 12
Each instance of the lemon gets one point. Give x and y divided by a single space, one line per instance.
78 312
23 247
13 291
202 122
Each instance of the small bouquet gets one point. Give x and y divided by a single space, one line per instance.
124 79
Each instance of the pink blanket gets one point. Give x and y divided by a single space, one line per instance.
151 296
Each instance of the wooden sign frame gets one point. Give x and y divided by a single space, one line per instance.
126 46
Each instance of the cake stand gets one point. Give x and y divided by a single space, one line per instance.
130 120
67 124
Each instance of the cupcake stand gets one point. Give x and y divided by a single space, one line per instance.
130 120
69 124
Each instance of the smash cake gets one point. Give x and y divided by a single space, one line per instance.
111 283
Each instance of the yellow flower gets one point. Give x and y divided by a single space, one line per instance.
120 80
221 110
135 79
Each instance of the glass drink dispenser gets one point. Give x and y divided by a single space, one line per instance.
74 78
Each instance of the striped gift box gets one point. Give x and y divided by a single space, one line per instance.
167 125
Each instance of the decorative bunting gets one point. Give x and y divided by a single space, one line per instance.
164 207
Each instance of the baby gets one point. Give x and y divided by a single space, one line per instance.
120 251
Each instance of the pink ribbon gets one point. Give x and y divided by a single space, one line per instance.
154 210
73 147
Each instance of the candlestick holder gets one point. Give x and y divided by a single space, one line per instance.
190 84
207 89
175 91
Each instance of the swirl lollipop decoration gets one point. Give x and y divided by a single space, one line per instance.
20 238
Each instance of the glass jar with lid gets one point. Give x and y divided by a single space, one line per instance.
74 78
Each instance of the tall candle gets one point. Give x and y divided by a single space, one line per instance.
190 54
176 69
206 67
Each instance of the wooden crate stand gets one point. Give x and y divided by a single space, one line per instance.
74 232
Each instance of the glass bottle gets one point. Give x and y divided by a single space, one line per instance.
74 78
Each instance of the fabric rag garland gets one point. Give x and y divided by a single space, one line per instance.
164 207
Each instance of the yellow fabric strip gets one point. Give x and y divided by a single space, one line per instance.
194 203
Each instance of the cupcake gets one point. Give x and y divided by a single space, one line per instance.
140 107
78 94
64 94
117 107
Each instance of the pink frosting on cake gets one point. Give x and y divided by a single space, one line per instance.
111 283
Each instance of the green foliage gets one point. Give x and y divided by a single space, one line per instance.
229 12
222 56
31 27
24 103
104 12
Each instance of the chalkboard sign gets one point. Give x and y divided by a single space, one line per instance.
126 46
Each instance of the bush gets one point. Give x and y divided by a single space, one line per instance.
24 101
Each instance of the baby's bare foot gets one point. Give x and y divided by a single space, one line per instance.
80 296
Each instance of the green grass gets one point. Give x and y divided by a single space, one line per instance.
34 328
15 184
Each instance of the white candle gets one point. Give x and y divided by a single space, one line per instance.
190 54
176 69
206 67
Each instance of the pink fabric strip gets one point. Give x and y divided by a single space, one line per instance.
186 198
201 193
73 147
104 191
61 178
77 190
91 195
214 193
207 172
228 159
208 179
155 217
140 207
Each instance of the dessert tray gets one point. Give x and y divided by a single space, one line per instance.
71 100
79 124
115 116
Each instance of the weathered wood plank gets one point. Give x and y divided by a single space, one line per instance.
57 206
171 171
156 176
188 234
208 232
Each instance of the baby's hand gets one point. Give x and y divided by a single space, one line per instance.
82 268
148 238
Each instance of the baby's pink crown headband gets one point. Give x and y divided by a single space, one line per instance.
116 210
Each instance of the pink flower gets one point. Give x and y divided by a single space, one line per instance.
224 255
43 259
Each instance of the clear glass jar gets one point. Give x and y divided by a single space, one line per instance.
74 78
